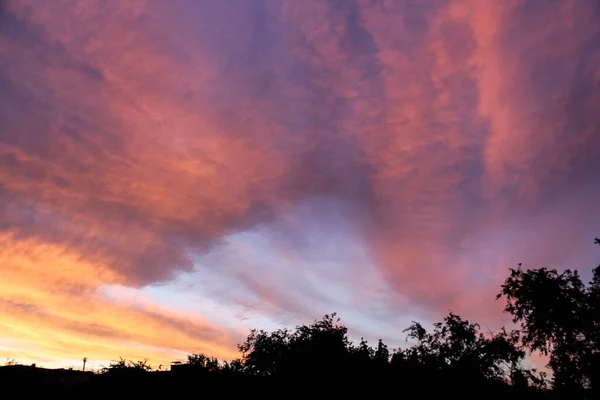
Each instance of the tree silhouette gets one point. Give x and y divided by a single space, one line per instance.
458 346
265 353
307 350
203 362
125 365
382 354
559 316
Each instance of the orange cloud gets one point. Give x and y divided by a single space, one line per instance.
53 299
432 138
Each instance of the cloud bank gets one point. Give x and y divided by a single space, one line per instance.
387 158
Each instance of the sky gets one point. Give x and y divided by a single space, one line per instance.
175 173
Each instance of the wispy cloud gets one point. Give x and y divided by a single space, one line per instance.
388 159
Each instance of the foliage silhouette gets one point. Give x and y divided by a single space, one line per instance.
560 317
124 367
204 362
458 345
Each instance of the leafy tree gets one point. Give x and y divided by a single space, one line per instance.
125 365
264 353
204 362
325 341
361 356
233 367
382 354
308 349
458 345
559 316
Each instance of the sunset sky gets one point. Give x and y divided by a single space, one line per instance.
174 173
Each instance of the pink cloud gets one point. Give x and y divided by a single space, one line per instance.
444 140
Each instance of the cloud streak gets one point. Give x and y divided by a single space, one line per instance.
280 157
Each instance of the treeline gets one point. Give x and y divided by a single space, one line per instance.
557 315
